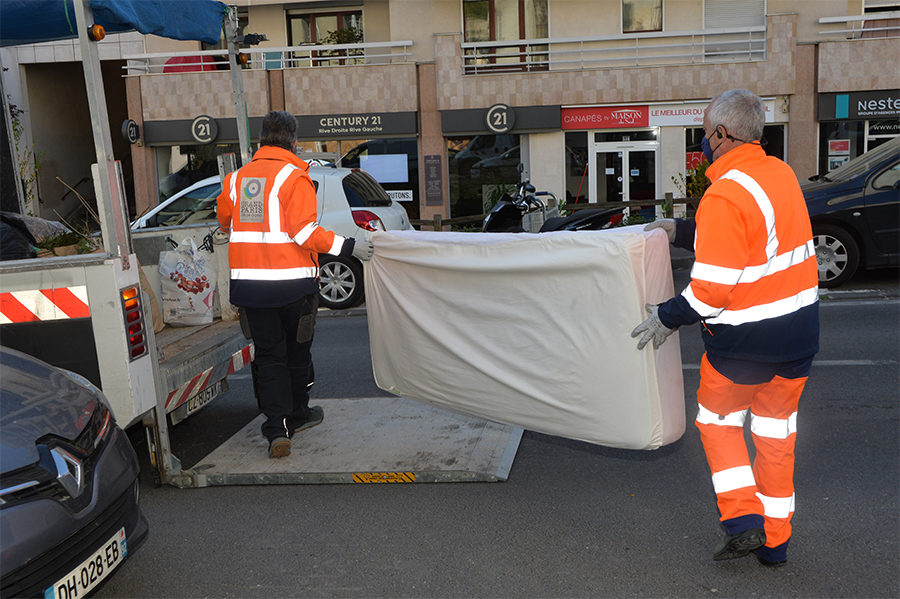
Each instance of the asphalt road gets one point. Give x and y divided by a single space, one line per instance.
572 520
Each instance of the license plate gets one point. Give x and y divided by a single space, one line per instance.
93 570
201 399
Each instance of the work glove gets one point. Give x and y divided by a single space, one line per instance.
363 250
652 328
666 224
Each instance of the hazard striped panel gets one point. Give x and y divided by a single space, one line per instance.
209 376
44 304
384 477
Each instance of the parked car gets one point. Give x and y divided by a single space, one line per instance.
351 203
855 214
69 511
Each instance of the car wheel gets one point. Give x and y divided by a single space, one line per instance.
837 255
340 282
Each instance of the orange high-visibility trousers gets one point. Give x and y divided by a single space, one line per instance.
767 487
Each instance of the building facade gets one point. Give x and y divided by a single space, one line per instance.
600 100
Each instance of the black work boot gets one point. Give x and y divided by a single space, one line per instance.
740 544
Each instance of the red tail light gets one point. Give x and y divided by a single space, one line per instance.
133 311
368 221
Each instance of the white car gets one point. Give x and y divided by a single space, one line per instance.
351 203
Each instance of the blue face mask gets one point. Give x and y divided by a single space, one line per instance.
707 150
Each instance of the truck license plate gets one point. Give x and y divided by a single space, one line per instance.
201 399
93 570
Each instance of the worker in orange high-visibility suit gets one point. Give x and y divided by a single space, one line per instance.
754 286
269 207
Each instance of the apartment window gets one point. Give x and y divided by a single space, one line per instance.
326 29
641 15
503 21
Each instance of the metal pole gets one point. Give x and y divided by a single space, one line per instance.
237 84
110 199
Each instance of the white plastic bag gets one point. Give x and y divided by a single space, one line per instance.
188 281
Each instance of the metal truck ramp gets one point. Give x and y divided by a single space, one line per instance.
369 440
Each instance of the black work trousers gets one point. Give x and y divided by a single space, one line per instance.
282 338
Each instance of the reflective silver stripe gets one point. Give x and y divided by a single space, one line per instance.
337 245
704 310
764 204
259 237
304 234
751 274
777 507
773 428
788 305
705 416
274 205
232 188
716 274
274 274
783 262
733 478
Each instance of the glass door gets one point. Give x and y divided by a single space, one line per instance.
625 171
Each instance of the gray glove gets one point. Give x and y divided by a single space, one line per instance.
666 224
653 328
363 250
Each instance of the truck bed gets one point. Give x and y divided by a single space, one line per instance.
369 440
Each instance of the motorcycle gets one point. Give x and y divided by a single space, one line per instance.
507 215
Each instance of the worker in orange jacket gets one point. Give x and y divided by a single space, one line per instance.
754 288
269 207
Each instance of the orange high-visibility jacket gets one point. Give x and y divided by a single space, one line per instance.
754 282
269 207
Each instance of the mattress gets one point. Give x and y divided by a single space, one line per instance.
530 330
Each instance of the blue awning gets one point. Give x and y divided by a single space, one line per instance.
32 21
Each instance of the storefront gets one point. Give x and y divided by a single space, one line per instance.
384 144
631 153
853 123
485 147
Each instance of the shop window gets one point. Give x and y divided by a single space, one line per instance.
394 163
501 21
179 167
641 15
839 142
773 138
480 168
326 29
576 166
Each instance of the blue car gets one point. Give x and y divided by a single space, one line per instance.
69 512
855 214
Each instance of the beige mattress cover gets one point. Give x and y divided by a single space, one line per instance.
531 330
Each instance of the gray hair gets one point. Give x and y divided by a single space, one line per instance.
741 112
279 128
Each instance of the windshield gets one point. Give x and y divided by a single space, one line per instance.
195 206
363 191
865 162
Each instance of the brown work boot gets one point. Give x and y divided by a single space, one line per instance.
279 447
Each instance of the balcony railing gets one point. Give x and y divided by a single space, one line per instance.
745 44
878 24
305 56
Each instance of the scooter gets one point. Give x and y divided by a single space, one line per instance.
507 214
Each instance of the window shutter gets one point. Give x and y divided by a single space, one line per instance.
733 13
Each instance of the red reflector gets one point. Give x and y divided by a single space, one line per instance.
134 320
